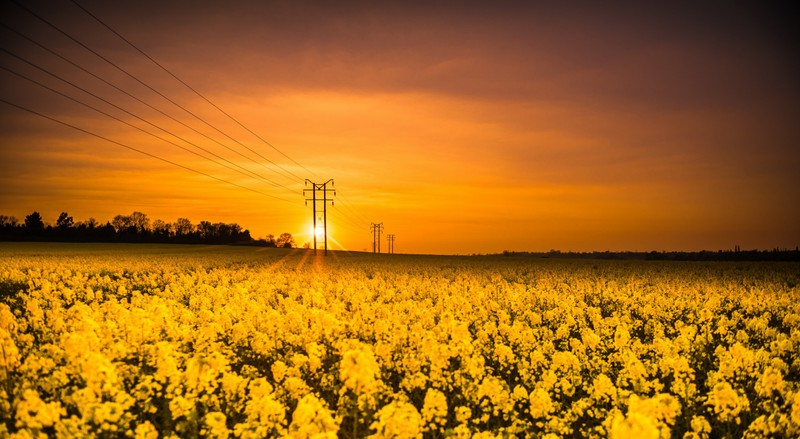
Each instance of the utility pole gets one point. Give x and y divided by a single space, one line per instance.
320 187
376 228
390 238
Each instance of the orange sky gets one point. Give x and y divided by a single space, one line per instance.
462 127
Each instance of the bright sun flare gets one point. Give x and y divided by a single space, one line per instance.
320 232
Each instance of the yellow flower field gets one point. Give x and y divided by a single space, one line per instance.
147 341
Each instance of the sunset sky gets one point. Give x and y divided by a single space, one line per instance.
464 127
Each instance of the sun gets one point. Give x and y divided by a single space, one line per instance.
319 232
318 235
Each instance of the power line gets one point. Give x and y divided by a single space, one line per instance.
349 214
245 173
348 217
58 29
345 202
194 91
125 122
349 220
144 103
355 215
136 149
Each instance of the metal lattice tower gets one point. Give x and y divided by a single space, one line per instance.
377 229
390 238
320 187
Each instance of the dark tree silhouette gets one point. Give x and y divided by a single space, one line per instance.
64 221
135 227
137 222
161 230
8 221
183 227
121 222
33 222
285 241
140 221
206 230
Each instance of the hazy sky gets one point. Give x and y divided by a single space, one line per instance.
462 126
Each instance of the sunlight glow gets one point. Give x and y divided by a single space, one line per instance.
319 232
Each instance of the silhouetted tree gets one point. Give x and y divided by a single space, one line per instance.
64 221
183 227
225 232
121 222
136 223
135 227
105 232
8 226
285 240
8 221
206 230
162 230
140 221
33 222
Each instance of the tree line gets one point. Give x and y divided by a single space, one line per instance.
136 227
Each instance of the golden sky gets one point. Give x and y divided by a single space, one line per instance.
464 127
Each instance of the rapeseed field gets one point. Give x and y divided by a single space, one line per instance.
148 341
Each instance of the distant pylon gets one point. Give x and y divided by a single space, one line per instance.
377 229
390 239
323 187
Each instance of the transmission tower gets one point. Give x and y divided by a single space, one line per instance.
390 239
320 187
377 229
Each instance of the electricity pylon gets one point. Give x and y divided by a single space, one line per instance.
323 187
390 239
376 228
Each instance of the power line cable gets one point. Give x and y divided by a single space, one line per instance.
58 29
356 216
140 101
194 90
243 171
346 204
162 67
53 119
351 216
124 122
348 221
